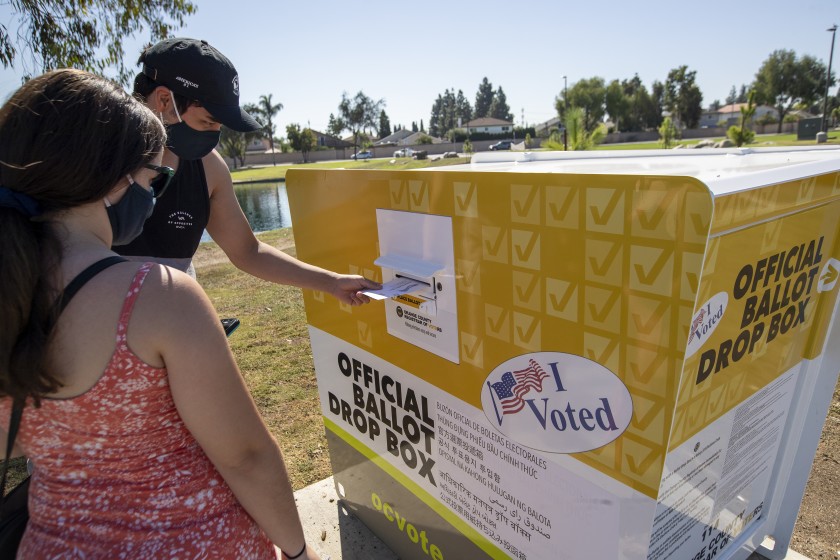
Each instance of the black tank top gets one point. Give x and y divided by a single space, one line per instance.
179 218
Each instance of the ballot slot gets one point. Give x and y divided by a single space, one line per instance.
418 249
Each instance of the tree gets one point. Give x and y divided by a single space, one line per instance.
268 110
360 112
447 110
643 112
732 97
499 108
384 124
617 104
301 140
463 109
657 94
483 99
85 34
683 97
233 144
668 133
421 126
587 95
784 80
740 134
335 126
414 126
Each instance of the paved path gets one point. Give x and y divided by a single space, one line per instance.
341 536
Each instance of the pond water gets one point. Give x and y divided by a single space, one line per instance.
265 205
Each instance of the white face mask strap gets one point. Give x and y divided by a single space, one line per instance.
175 106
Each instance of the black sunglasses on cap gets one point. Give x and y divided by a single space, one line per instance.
162 170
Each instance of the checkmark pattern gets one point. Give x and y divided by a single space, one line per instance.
418 196
605 210
469 276
562 206
807 187
525 206
651 216
399 194
526 248
770 238
365 334
466 198
602 267
526 290
742 208
495 244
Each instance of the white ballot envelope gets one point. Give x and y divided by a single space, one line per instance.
396 287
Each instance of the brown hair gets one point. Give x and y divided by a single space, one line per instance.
66 138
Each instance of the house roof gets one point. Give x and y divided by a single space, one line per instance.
554 121
736 108
487 121
395 138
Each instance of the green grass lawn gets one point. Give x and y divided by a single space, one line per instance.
278 172
761 141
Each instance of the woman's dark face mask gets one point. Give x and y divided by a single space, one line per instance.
129 214
188 143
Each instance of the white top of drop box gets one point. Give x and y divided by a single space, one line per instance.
722 170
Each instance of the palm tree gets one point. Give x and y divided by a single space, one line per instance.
268 111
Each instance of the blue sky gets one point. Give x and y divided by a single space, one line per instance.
307 53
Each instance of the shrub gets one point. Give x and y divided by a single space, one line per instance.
668 133
740 135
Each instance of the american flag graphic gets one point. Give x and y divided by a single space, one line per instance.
515 385
696 324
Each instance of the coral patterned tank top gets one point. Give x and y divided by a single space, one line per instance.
118 475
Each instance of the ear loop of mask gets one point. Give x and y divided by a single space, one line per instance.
105 198
175 106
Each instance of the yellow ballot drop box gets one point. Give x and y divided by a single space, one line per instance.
602 355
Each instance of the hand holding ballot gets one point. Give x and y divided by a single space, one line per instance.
397 287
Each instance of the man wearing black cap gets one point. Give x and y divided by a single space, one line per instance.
195 89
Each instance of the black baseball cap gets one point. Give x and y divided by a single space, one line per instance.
194 69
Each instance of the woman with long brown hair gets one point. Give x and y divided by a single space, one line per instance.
146 441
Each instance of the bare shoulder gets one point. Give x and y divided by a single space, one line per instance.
172 306
170 292
216 171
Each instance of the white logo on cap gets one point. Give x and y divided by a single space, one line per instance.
236 85
186 82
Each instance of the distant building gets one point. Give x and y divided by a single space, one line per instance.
405 138
489 125
258 144
395 139
731 114
544 128
324 140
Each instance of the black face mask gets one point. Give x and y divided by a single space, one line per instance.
129 214
188 143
